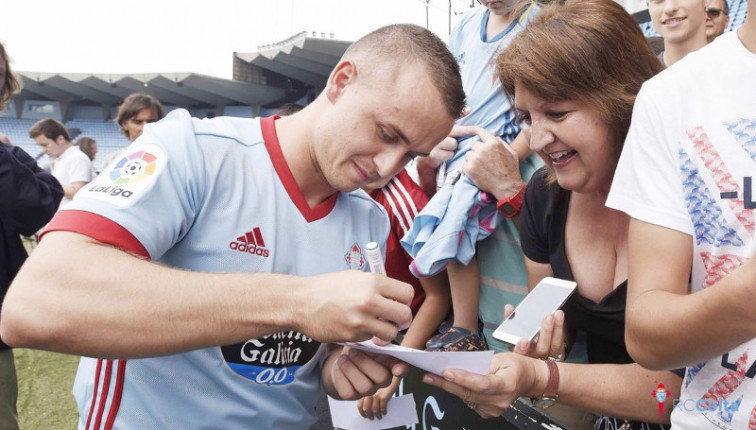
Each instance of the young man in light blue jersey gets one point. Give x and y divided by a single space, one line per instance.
251 226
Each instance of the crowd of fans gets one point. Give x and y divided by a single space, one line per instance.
226 248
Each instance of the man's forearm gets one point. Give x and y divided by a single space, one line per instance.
667 326
123 307
617 390
665 330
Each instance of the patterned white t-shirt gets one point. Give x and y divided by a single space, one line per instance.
688 164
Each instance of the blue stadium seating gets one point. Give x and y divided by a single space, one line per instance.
105 133
108 138
18 132
738 10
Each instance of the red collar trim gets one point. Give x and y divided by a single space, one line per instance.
268 126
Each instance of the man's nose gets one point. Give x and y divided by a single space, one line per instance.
670 6
389 162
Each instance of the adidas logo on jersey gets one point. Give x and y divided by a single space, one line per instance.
252 243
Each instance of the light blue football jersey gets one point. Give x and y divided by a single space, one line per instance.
216 196
476 55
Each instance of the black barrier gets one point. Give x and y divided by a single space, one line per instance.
437 409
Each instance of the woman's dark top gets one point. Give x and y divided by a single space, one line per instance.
542 223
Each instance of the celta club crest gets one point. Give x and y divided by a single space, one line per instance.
354 258
660 393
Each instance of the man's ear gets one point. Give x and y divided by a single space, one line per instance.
342 75
60 140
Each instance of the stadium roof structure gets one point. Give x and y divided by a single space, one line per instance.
292 70
306 57
182 89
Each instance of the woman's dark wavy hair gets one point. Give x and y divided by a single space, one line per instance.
588 51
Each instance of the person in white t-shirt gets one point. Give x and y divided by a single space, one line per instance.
71 167
686 178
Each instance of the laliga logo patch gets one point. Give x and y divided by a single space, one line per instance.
134 167
131 177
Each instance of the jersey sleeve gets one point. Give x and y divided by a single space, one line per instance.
533 220
647 183
146 201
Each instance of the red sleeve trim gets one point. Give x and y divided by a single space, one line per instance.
97 227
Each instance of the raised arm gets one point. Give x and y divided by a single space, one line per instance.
79 296
623 391
665 323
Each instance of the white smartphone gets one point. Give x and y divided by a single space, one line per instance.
525 322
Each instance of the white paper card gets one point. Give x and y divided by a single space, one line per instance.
401 412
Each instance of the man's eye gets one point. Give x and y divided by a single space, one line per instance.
386 136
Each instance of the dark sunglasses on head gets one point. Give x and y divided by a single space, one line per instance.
713 12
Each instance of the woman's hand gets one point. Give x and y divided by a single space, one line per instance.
510 376
492 165
550 342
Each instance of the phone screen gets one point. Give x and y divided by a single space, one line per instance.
525 322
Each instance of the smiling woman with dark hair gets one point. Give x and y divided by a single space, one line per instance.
573 75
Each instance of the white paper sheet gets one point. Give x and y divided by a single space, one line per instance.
434 362
401 412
